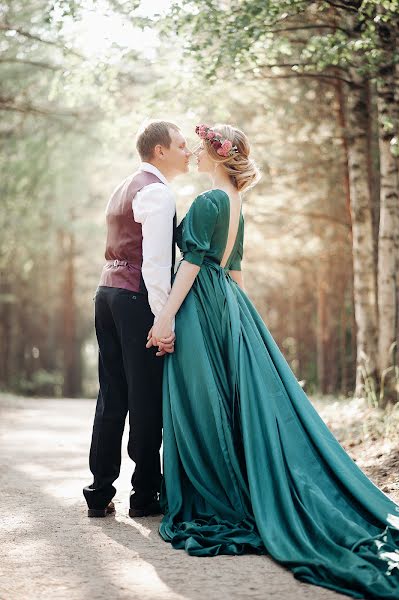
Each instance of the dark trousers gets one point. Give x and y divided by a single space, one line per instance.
130 377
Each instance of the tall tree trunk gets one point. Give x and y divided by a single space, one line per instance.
341 115
321 330
6 307
357 119
341 100
71 367
388 260
396 151
342 345
374 174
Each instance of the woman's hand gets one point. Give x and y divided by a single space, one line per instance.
163 328
162 335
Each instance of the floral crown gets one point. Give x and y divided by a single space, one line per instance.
222 145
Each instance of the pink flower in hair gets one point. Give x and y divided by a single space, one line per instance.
225 148
227 145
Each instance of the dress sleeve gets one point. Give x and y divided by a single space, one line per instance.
235 264
198 228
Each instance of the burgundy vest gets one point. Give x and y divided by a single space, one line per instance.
124 246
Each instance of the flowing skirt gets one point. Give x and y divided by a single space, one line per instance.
249 466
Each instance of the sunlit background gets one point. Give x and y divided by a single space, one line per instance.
99 29
315 85
79 77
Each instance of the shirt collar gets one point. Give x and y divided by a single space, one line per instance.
149 168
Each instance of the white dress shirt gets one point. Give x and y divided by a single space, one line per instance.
154 207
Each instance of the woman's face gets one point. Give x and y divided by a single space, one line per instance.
204 163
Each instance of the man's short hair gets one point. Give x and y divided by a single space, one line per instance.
152 134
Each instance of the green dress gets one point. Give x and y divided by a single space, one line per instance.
249 466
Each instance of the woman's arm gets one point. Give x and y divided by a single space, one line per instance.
182 284
238 278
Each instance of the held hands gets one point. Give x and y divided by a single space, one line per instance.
161 334
165 345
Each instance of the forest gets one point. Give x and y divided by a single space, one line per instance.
315 85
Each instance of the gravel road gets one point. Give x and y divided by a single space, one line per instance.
49 549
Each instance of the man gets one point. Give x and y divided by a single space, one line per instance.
134 286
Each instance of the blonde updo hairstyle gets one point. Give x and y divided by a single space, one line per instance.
241 169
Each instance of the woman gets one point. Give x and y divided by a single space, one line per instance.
249 466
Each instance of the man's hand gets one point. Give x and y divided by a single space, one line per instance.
165 345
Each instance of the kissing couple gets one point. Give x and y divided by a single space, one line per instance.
248 464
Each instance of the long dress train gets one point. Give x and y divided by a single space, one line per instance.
249 466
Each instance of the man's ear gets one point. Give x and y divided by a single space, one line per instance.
158 151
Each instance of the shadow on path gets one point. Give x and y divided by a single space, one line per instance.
50 549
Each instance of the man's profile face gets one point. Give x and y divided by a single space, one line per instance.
177 155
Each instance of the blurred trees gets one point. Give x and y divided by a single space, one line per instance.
53 103
32 128
354 45
313 84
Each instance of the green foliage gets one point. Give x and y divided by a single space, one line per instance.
54 104
67 139
243 36
42 383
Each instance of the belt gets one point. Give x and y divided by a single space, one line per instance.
118 263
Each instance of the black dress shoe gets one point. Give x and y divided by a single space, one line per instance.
153 508
143 504
101 512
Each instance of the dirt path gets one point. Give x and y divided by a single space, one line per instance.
49 549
